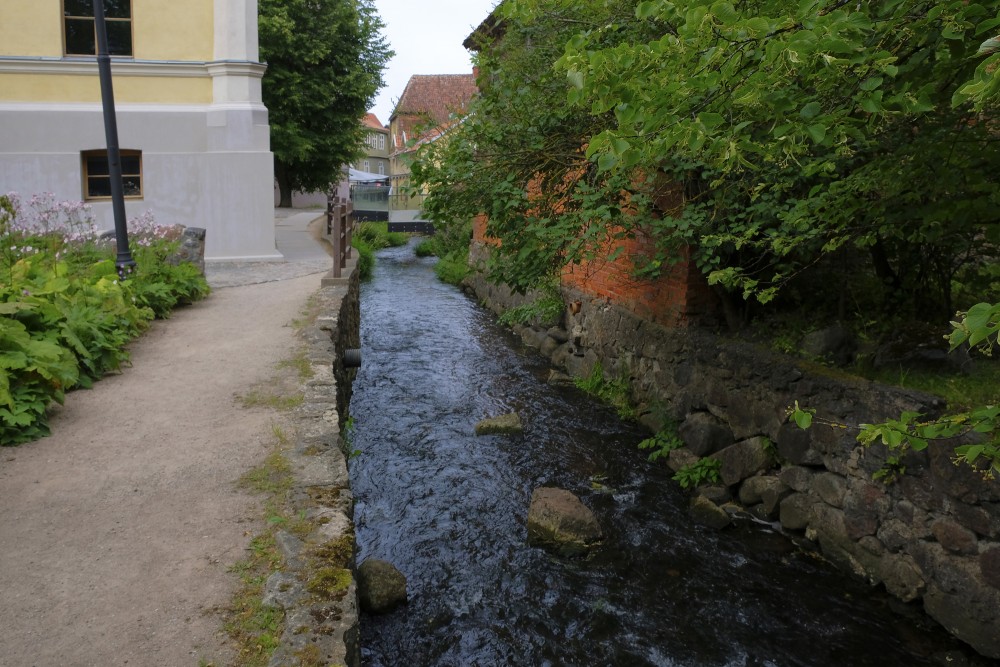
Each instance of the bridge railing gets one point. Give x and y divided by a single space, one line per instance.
339 225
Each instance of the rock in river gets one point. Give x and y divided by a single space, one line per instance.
381 587
505 424
559 522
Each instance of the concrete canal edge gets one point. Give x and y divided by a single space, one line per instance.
316 587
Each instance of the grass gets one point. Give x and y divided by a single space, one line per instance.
428 247
308 315
372 236
264 398
616 393
376 235
962 391
299 363
254 628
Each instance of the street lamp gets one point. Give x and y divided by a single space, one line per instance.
124 262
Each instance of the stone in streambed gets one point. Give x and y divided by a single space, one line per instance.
503 425
381 587
561 524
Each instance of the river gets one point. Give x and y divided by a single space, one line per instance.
449 509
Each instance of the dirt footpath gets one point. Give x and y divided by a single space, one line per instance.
117 531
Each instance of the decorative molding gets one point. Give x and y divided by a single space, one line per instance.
129 67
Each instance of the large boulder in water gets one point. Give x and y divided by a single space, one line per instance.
560 523
381 587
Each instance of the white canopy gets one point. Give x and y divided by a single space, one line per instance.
358 176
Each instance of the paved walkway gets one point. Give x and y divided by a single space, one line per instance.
117 531
296 235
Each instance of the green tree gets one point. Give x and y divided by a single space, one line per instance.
810 138
518 155
325 60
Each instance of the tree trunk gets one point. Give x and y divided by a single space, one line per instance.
284 188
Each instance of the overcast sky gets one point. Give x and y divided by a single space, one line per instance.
427 38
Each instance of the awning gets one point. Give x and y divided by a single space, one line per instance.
358 176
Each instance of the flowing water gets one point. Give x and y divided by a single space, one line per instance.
449 509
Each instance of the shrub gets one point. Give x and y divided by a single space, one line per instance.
376 235
366 257
427 248
453 267
65 317
703 471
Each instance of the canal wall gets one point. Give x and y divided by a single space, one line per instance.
315 587
932 536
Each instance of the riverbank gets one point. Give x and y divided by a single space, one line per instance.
931 538
121 530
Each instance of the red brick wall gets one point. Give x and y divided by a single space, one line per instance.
679 297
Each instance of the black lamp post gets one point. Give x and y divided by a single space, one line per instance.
124 261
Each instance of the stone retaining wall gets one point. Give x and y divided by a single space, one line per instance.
316 587
934 535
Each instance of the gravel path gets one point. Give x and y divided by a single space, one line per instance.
117 531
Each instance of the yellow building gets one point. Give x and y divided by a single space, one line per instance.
192 128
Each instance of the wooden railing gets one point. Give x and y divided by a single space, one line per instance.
339 224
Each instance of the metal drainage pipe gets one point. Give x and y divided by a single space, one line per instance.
352 358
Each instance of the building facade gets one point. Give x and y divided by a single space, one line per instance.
192 127
376 159
430 105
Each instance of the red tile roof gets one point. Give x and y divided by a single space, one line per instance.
436 95
372 121
430 100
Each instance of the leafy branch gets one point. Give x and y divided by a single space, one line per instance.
979 326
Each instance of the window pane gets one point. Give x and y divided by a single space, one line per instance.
119 38
99 187
130 165
80 39
78 7
97 166
117 9
132 186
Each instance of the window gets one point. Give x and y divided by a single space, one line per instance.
80 31
97 174
381 168
368 166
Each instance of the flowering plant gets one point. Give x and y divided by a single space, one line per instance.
65 318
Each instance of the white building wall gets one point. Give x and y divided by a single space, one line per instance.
199 165
203 165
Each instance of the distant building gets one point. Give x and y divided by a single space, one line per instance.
430 104
370 174
376 159
192 127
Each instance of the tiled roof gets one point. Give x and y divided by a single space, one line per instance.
372 121
429 101
437 96
489 31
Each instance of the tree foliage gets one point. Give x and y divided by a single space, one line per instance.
325 60
851 140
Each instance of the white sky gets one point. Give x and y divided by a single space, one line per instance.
427 37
